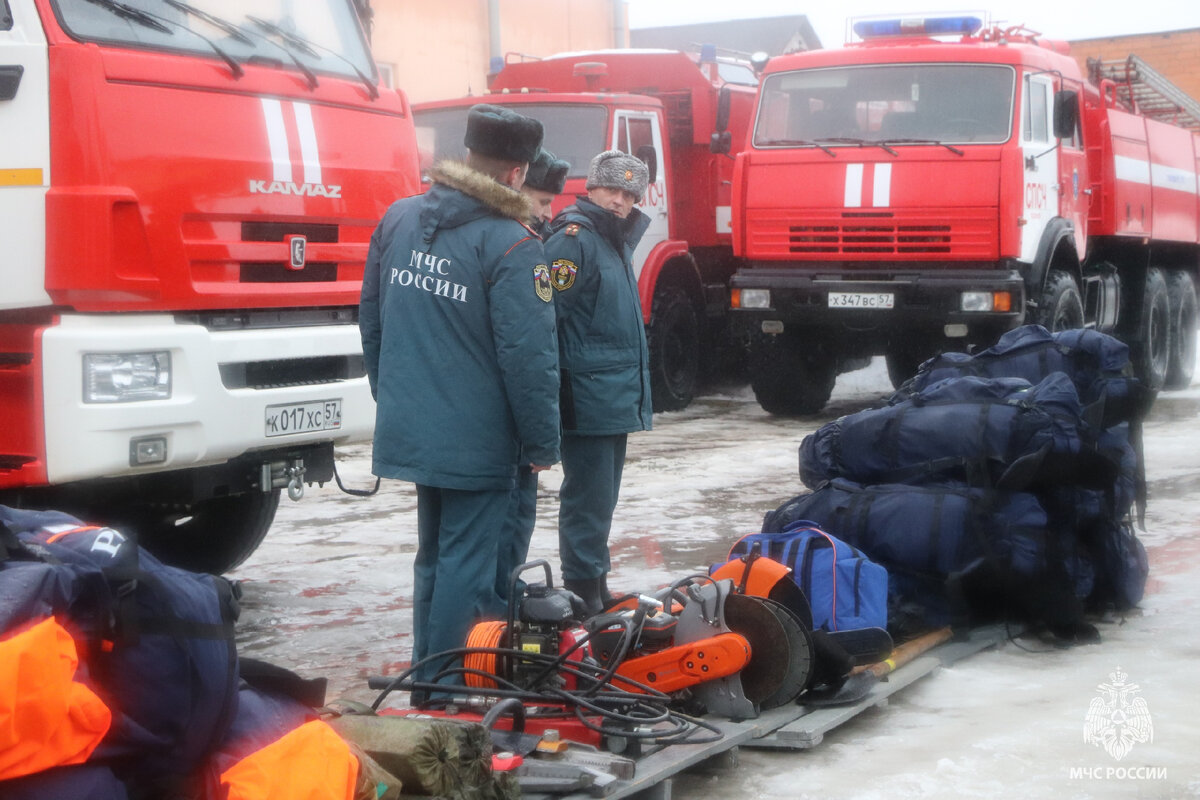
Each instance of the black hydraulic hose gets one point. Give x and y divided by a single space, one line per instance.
355 492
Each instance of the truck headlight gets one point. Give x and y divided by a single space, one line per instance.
126 377
752 298
986 301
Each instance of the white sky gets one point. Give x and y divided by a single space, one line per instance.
1056 20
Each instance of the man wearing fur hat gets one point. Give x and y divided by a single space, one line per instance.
603 359
545 180
458 336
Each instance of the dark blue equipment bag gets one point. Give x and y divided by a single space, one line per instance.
992 432
845 589
158 641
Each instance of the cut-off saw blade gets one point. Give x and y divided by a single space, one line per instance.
773 669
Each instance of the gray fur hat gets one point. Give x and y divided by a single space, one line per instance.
548 173
617 170
502 133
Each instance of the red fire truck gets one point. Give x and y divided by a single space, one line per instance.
911 193
673 110
186 200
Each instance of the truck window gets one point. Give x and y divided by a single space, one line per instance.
6 20
1035 113
636 133
959 103
574 133
324 35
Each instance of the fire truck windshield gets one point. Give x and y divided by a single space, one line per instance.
901 104
322 36
573 133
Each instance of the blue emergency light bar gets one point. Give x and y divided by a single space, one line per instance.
933 26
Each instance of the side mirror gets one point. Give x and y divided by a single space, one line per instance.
721 143
758 61
723 101
648 154
1066 113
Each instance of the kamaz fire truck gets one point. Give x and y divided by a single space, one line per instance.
186 198
908 194
681 113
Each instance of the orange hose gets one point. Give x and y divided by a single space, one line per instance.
484 635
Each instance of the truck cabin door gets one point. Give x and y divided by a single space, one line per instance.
25 163
1073 196
640 133
1039 203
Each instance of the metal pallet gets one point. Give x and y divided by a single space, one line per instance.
793 727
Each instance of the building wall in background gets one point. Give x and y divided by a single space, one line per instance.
1171 53
441 49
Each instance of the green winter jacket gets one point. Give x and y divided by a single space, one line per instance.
458 334
601 336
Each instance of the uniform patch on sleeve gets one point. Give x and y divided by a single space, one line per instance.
572 229
542 284
564 274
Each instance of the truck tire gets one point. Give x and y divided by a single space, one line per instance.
212 535
1061 307
1181 296
674 341
788 378
902 363
1152 350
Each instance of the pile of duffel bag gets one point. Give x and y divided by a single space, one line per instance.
120 680
999 484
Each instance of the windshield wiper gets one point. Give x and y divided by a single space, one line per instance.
859 142
310 48
233 31
801 143
133 14
949 147
309 75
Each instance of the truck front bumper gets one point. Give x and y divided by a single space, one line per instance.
920 304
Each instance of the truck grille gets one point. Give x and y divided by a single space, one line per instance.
292 372
865 235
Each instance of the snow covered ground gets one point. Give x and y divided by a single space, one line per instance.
328 593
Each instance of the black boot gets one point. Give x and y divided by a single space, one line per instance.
606 597
589 591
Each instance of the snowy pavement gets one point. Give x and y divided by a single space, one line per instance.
329 593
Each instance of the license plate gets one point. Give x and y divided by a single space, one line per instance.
862 300
290 418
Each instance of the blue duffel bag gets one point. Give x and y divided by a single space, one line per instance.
1098 365
953 552
845 589
992 432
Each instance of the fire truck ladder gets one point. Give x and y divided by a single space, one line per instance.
1146 91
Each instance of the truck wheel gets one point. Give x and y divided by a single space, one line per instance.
1061 307
787 380
674 342
212 535
1152 351
902 364
1181 296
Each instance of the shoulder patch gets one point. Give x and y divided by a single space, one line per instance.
563 272
572 229
541 283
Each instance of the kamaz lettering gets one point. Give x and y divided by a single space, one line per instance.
331 191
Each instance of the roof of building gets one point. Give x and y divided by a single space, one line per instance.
773 35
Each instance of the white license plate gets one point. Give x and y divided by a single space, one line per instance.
290 418
862 300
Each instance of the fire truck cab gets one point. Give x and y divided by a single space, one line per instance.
187 195
909 194
665 107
